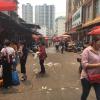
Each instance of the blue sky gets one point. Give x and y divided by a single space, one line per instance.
60 5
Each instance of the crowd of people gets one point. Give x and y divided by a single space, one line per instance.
11 54
71 46
61 46
14 53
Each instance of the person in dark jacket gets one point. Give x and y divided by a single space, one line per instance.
23 57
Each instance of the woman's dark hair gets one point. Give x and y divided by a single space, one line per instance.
95 38
7 42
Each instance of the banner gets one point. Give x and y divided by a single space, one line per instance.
8 5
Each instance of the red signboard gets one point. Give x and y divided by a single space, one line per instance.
8 5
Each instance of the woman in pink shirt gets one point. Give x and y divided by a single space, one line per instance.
90 60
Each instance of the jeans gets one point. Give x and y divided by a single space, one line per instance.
7 75
86 87
23 68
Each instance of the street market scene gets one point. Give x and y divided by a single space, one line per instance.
50 50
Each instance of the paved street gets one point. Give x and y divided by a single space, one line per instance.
61 81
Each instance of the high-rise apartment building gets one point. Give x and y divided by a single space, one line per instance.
45 16
27 13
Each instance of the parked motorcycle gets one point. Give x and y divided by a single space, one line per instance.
78 47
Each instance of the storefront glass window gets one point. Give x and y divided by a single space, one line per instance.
97 8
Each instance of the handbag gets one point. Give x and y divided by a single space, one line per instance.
15 78
94 78
93 75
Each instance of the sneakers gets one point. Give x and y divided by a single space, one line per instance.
24 78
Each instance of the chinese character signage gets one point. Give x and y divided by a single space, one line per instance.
77 18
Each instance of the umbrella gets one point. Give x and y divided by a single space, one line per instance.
95 32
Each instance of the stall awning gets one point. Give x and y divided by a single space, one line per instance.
11 25
8 5
31 25
95 31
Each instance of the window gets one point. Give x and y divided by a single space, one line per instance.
89 12
97 8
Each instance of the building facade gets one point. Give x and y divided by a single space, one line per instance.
27 13
43 30
45 16
82 16
60 25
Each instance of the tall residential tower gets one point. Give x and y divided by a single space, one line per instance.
27 13
45 16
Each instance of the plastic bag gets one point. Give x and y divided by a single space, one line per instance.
15 78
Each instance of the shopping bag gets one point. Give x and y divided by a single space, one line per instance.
15 78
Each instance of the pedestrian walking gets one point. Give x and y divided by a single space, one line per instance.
91 64
42 57
57 46
23 53
62 44
66 45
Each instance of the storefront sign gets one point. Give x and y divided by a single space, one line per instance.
7 5
77 18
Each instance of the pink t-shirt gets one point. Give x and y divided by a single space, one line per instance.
89 57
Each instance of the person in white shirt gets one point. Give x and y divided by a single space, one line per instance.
7 55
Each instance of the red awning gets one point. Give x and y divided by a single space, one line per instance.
96 27
96 31
7 5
